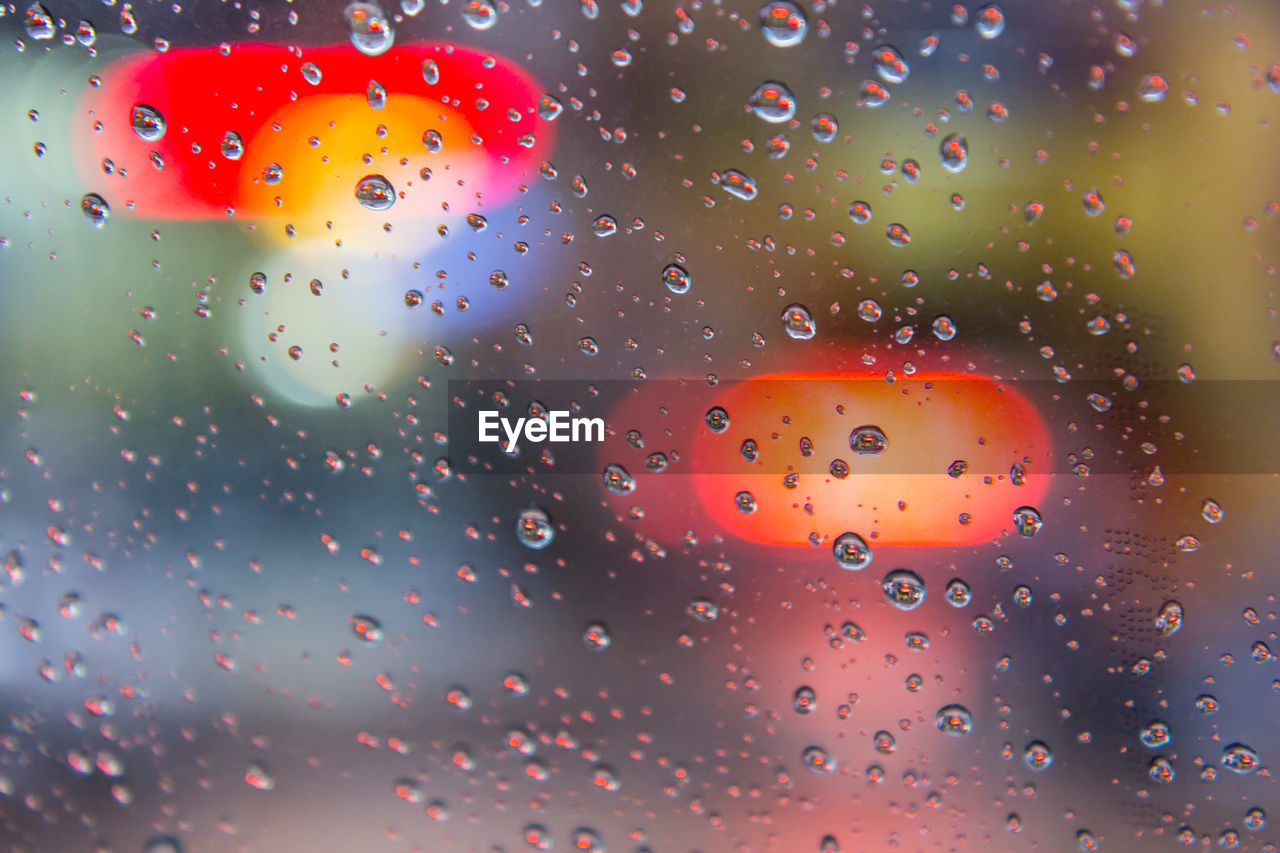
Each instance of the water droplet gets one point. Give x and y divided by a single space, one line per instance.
958 593
851 551
704 610
1155 735
676 278
86 35
890 64
1037 756
884 743
480 14
95 208
366 628
1255 819
534 528
745 502
1169 619
868 440
1161 770
257 776
953 151
38 23
1211 511
596 636
618 480
147 122
432 140
1153 87
1027 520
375 94
1124 263
860 212
311 73
872 94
738 184
773 102
232 145
604 226
944 328
825 127
783 23
805 700
375 192
717 419
370 29
818 760
989 21
549 107
954 720
904 588
1240 758
798 322
430 72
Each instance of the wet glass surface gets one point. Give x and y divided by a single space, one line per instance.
934 350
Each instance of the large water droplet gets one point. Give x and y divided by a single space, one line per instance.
868 440
818 760
617 479
953 151
147 122
954 720
1037 756
232 145
989 21
773 102
1155 734
370 28
904 589
890 64
596 636
798 322
738 184
1169 619
676 278
480 14
534 528
783 23
95 208
375 192
1027 520
1240 758
38 23
851 551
